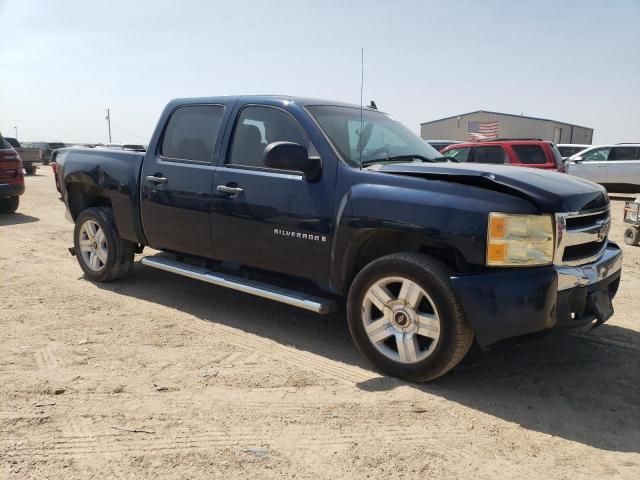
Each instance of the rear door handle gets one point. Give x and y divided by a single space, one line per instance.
156 180
231 191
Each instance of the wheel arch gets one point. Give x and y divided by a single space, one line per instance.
373 244
81 196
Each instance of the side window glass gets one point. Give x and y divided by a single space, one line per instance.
624 153
191 132
490 155
597 155
530 154
459 154
256 128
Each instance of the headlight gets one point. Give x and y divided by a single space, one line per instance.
519 240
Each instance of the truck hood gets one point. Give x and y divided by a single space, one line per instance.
550 191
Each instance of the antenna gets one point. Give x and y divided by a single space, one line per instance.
361 107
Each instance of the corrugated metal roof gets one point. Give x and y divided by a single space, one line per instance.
505 114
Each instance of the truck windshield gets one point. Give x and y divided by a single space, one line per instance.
372 138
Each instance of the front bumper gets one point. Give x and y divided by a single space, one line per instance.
510 303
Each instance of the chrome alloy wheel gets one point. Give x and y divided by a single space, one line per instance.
400 319
93 246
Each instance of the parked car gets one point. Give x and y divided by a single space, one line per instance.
307 202
533 153
439 145
11 177
617 167
569 149
29 157
43 149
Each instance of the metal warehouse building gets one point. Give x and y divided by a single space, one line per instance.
483 124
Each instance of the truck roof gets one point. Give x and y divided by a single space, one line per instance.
303 101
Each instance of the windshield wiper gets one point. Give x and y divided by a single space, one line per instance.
404 158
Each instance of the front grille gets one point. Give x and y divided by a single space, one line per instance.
576 252
581 221
581 237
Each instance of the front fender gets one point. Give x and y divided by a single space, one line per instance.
439 214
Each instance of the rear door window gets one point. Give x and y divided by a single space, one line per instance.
490 155
624 153
530 154
458 154
191 132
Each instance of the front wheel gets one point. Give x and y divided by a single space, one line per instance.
406 319
101 253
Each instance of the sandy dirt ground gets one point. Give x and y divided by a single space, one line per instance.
158 376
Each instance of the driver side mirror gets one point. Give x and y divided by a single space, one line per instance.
292 156
576 160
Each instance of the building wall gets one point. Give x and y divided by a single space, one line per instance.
508 127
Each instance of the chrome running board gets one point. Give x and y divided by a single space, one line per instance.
259 289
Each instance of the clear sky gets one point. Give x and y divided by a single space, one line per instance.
63 62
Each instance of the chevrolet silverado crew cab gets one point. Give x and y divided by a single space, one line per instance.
318 204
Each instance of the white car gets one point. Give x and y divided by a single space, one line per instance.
617 167
568 149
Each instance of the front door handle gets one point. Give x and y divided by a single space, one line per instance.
231 191
156 180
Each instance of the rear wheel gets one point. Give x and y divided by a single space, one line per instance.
632 236
30 170
101 253
9 204
406 319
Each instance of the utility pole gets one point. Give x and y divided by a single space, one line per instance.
108 118
16 129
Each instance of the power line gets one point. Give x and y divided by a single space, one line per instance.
128 132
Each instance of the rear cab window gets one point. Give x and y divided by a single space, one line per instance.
191 133
530 154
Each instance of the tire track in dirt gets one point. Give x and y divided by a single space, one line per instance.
303 437
46 358
297 358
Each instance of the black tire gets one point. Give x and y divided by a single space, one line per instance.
632 236
456 335
120 252
9 204
30 170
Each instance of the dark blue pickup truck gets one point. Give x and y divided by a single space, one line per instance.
317 204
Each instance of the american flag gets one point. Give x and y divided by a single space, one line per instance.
482 130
